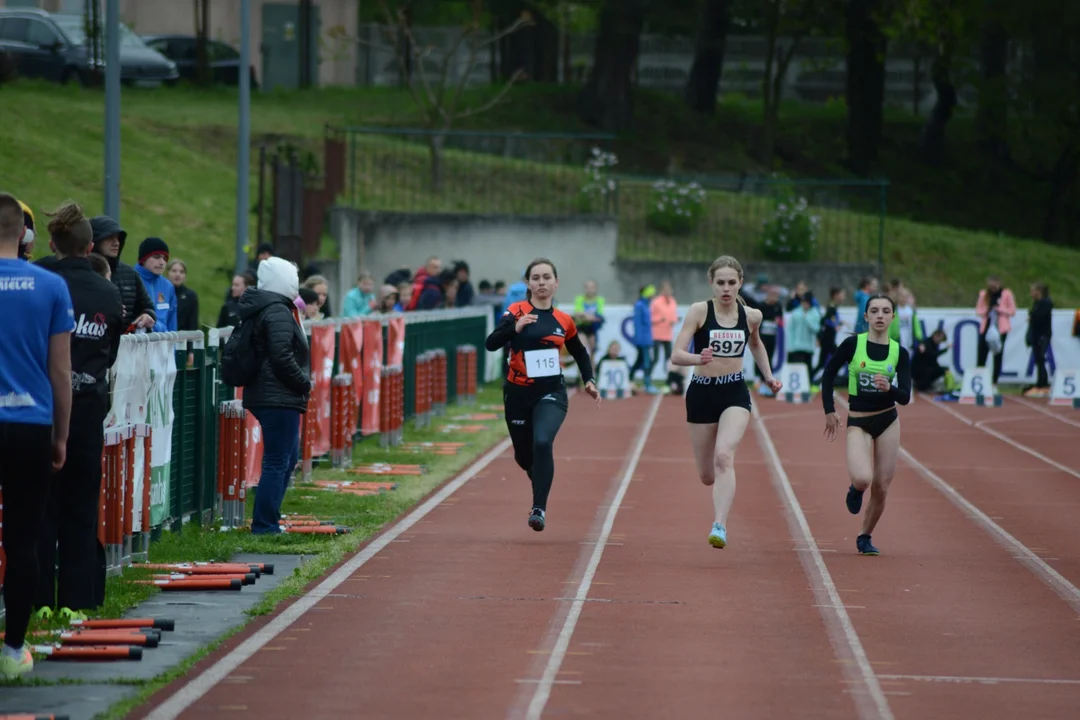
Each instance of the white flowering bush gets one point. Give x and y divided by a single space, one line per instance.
599 185
791 233
675 209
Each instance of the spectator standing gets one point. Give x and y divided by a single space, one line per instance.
802 330
432 268
465 291
772 322
830 326
643 339
187 302
34 424
589 315
867 287
1039 333
153 255
278 394
322 288
665 315
68 532
109 240
995 307
229 315
905 328
436 291
360 300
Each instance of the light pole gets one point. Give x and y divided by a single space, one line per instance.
243 154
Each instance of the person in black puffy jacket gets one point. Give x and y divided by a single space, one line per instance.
109 239
278 395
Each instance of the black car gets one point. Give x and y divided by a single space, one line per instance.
52 46
182 50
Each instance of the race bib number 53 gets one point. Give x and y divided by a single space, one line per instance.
727 343
866 383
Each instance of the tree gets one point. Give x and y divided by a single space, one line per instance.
607 100
202 40
438 102
865 86
991 115
703 84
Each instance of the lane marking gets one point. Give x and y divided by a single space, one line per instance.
1044 411
562 643
1057 582
191 692
870 702
981 680
1004 438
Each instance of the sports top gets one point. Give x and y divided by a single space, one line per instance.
864 360
726 342
534 352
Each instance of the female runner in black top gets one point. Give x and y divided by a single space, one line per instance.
873 437
717 398
534 394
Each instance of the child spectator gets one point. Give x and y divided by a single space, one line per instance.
388 300
153 255
643 337
100 265
309 310
665 315
1039 333
360 300
802 331
589 315
321 287
187 302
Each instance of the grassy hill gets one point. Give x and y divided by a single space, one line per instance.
179 179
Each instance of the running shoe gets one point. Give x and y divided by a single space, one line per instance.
12 667
865 548
854 500
69 615
536 519
43 613
718 536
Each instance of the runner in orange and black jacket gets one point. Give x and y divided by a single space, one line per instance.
534 395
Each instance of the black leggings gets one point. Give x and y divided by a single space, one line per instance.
71 560
25 470
984 350
534 418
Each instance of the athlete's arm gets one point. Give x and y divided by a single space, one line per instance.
901 392
502 333
581 356
840 358
679 355
757 348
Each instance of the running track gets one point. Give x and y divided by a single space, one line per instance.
620 608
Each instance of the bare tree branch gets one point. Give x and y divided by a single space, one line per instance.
518 75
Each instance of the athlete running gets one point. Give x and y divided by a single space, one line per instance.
717 399
534 394
873 438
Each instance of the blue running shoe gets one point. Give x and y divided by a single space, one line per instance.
536 519
854 500
865 548
718 536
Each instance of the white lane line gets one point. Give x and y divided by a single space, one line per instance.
1044 411
871 703
562 643
1006 439
198 686
1022 553
958 679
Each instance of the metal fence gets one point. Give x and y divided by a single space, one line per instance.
461 171
695 219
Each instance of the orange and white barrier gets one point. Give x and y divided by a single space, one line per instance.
438 381
117 527
232 464
423 371
466 374
342 407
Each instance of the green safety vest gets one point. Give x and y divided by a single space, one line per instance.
861 369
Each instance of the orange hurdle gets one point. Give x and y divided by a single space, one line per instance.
340 438
231 452
423 382
385 410
88 652
438 381
307 439
397 395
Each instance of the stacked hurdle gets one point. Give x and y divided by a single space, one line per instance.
116 521
438 381
422 382
307 439
232 451
391 406
466 374
342 403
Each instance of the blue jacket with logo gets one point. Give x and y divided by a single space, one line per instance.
162 297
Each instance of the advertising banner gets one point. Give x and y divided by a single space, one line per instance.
372 354
351 361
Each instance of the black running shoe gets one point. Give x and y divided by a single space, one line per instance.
854 500
536 519
865 548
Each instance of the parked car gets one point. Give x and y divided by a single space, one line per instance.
182 50
52 46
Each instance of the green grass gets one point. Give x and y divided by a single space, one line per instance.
179 177
363 515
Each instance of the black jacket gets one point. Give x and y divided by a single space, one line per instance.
1040 322
283 379
98 326
132 290
187 309
230 313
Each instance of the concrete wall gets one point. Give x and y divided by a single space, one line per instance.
499 248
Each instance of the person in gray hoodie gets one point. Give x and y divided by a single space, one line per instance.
109 240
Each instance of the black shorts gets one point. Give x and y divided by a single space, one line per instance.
708 397
519 400
874 425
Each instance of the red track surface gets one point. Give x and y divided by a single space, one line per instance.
462 619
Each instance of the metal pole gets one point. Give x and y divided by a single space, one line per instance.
112 109
243 155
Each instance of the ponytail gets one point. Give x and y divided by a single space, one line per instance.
739 299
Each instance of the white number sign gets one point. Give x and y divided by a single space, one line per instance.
542 363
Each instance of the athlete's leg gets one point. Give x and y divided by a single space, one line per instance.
860 466
547 417
703 440
729 434
519 422
886 450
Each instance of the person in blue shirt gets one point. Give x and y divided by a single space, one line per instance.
153 257
642 339
867 287
35 411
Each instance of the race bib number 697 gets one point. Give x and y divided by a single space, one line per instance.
727 343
